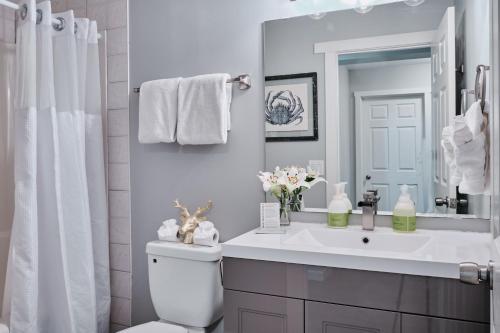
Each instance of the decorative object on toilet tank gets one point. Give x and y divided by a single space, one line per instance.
189 222
287 185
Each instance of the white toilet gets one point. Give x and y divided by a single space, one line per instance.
186 287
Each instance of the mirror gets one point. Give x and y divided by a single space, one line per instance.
363 98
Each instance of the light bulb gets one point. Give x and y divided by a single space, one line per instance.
414 3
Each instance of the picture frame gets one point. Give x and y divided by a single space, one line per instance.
291 107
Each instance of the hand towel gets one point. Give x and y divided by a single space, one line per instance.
465 151
206 234
449 155
158 108
168 231
471 158
474 118
204 105
461 133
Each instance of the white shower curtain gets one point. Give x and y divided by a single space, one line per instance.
58 270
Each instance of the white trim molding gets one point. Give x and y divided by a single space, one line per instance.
332 50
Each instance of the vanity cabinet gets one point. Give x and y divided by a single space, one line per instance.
419 324
333 318
256 313
263 296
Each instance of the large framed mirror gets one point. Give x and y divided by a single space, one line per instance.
367 95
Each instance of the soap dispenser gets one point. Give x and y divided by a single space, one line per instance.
338 211
345 197
404 216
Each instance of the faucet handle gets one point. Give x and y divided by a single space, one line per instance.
371 196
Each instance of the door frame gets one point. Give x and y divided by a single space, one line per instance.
332 50
425 94
494 118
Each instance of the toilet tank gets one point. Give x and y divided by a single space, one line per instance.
185 282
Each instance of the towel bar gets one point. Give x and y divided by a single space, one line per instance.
479 90
243 81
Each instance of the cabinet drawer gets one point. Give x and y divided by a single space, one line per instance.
420 324
256 313
331 318
428 296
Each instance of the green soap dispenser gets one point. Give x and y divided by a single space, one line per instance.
338 212
345 197
404 216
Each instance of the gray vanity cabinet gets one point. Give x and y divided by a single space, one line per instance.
332 318
263 296
419 324
255 313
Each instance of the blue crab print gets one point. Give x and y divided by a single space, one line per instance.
283 108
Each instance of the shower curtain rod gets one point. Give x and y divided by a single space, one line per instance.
15 6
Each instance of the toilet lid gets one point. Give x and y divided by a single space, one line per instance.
3 328
155 327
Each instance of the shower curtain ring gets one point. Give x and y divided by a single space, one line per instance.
59 26
24 11
39 16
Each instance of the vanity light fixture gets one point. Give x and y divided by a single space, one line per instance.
414 3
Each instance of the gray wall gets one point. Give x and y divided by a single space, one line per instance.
289 49
171 38
182 38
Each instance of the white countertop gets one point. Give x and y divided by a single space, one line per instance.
424 252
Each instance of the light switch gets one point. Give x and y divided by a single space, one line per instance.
318 166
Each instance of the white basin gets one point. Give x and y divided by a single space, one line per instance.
435 253
359 240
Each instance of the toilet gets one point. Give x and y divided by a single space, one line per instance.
185 282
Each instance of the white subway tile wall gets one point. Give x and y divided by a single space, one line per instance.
120 311
112 22
7 25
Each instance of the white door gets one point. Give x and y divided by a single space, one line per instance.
443 101
390 147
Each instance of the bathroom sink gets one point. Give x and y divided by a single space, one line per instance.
359 240
436 253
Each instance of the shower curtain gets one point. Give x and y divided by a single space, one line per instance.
58 269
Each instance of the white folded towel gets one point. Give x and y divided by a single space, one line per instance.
474 118
465 151
471 157
158 108
168 231
206 234
204 105
449 155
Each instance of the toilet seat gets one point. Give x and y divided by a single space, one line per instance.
157 327
3 328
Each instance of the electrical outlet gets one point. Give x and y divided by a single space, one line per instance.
318 166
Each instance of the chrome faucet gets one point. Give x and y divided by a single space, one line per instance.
369 205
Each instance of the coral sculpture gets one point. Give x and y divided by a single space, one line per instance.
190 221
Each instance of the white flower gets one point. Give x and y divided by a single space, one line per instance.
267 179
284 182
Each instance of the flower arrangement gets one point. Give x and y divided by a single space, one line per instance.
288 184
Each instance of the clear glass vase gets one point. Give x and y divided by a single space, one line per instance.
295 203
284 211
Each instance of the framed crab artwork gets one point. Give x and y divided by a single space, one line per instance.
291 107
